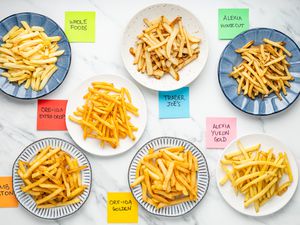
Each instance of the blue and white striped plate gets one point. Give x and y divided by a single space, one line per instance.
63 63
229 58
202 176
27 201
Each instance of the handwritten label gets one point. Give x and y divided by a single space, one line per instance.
220 131
7 197
80 26
174 104
121 208
232 22
51 115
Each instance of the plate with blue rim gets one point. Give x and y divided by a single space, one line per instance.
63 63
259 106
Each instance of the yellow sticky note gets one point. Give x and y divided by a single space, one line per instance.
121 208
7 197
80 26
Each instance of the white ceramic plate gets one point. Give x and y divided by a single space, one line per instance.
275 203
202 176
192 25
92 145
27 201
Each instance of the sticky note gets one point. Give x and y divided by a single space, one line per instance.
51 114
220 131
174 104
232 22
121 208
7 196
80 26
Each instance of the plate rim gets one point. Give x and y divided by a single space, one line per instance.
67 71
174 138
67 142
124 56
146 114
287 150
219 80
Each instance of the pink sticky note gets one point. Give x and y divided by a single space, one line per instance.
220 131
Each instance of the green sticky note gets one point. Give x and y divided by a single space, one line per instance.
232 22
80 26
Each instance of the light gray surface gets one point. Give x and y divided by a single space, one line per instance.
18 119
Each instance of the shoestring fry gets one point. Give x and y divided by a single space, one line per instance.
105 114
258 175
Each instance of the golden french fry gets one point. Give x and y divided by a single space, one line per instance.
164 47
29 49
52 178
167 176
106 118
49 197
40 161
264 69
256 174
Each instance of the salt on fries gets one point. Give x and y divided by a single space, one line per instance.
28 55
264 69
167 176
164 47
104 115
52 178
258 175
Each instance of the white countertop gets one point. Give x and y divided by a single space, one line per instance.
18 118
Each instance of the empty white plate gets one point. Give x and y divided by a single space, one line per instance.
192 25
276 202
93 145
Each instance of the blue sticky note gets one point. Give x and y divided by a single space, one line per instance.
174 104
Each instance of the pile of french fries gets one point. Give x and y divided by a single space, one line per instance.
258 175
52 178
28 56
167 176
164 47
264 69
104 115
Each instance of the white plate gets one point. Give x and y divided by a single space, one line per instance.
192 25
27 201
275 203
92 145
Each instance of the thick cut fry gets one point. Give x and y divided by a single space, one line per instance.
53 178
164 47
40 161
174 156
170 41
49 197
70 202
137 181
167 176
29 49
